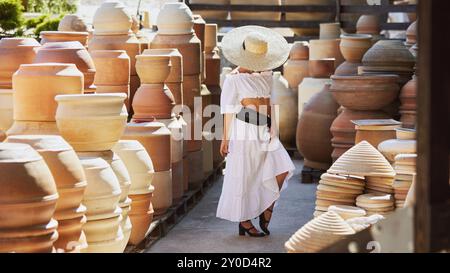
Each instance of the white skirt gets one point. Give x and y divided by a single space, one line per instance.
253 162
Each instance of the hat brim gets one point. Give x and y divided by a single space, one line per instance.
276 55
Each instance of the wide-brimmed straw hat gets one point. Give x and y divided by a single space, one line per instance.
255 48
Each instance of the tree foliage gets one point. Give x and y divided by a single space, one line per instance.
11 16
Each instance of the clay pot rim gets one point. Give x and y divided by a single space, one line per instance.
107 53
47 65
92 98
375 77
173 52
68 33
356 36
57 46
14 42
154 57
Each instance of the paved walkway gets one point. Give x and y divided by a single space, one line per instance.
200 231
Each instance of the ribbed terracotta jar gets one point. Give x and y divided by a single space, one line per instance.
27 201
64 36
111 18
323 49
68 52
34 102
14 52
101 198
313 129
93 122
6 111
140 168
70 181
408 107
375 131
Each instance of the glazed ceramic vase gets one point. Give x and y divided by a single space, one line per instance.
353 47
404 143
408 106
140 168
212 14
313 130
309 15
64 36
330 31
26 223
72 22
70 181
308 88
111 18
324 49
296 67
256 15
103 227
14 52
285 100
375 131
91 122
112 72
34 102
6 111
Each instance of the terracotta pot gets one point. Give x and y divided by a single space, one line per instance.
299 51
152 101
324 49
195 169
92 122
256 15
330 31
26 223
295 71
364 92
212 14
408 107
188 45
411 34
199 29
111 18
72 22
64 36
389 54
14 52
112 67
307 88
126 223
68 52
192 133
321 68
70 180
175 19
285 100
6 109
354 46
347 69
308 15
191 89
141 216
212 66
153 68
176 63
162 198
375 131
155 137
368 24
313 129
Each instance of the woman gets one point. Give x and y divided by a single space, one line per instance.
257 164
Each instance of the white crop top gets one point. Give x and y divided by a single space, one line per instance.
238 86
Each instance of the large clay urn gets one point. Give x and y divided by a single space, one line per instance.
256 15
28 199
323 49
140 168
6 111
309 15
70 181
35 87
296 67
91 122
111 18
64 36
285 100
14 52
68 52
313 129
353 47
103 228
408 100
212 14
310 86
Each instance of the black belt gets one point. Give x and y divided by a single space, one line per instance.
253 117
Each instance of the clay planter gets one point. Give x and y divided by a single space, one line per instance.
212 14
141 216
152 67
256 15
324 49
152 101
155 137
175 19
64 36
343 130
307 88
6 109
299 51
93 122
188 45
322 68
368 24
111 18
408 107
330 31
354 46
68 52
308 15
27 201
375 131
162 196
389 53
313 129
70 181
14 52
72 22
364 92
296 67
113 67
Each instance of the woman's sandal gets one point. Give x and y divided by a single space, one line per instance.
256 233
263 222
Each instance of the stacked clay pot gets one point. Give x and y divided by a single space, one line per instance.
199 30
408 103
404 143
296 67
256 15
375 131
405 170
313 130
64 36
337 190
93 124
353 47
71 53
212 14
6 111
156 139
112 31
140 168
34 102
27 201
309 15
369 24
330 30
112 72
362 98
376 203
325 49
70 181
319 75
319 233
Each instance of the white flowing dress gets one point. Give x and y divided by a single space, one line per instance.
254 159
